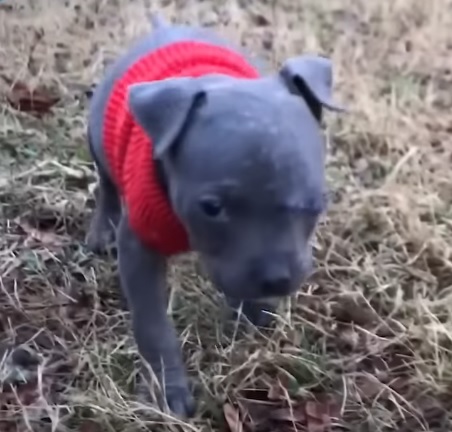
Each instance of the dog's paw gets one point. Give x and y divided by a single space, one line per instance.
100 237
258 313
181 402
178 399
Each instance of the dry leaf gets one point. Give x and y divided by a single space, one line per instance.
90 426
315 410
277 392
353 309
255 410
26 393
9 426
369 386
294 414
232 418
319 414
260 20
314 425
349 337
400 384
47 238
38 101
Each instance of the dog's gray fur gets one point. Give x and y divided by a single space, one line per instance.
243 166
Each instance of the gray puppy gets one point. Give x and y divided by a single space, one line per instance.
197 150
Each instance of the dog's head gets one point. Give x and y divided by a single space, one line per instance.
244 163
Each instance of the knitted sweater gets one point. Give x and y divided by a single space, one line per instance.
129 151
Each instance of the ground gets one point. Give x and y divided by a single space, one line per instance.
365 345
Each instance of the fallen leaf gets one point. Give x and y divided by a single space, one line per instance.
315 410
48 238
28 393
260 20
38 101
255 412
232 418
277 392
290 414
349 338
400 384
24 357
325 404
353 309
314 425
254 407
280 389
90 426
369 387
8 426
25 393
17 366
320 412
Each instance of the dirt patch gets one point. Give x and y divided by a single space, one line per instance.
364 346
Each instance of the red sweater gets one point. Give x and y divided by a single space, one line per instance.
129 151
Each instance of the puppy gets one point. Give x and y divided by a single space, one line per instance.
197 149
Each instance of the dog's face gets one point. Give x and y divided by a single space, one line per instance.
247 180
244 162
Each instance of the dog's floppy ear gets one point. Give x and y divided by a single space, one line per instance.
311 77
163 109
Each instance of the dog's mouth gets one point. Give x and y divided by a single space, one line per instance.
240 300
243 295
245 291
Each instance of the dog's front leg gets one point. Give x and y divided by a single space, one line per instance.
143 279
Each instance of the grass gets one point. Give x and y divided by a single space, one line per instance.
372 329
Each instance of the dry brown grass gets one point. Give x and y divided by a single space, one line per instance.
374 326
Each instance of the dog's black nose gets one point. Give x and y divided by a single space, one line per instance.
276 286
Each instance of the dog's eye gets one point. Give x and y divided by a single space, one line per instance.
211 207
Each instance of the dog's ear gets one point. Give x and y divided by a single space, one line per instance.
164 108
311 77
